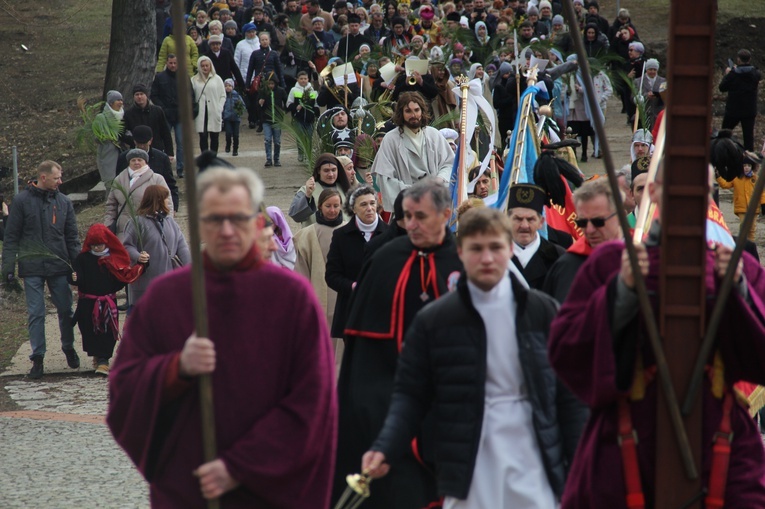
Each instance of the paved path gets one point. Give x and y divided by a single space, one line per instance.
56 452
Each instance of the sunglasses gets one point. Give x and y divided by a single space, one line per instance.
597 222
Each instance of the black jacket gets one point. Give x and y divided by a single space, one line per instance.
152 116
561 275
159 164
741 85
225 66
260 64
536 270
442 368
164 93
344 261
279 99
41 229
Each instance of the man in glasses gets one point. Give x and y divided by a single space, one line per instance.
596 217
533 255
268 354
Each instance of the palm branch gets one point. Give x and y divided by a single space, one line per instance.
34 250
640 103
95 128
301 138
446 118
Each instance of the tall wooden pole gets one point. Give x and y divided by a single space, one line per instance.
670 408
685 202
464 143
197 271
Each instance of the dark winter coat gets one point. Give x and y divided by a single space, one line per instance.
159 164
42 230
561 275
152 116
344 262
271 115
536 270
596 48
442 368
741 85
260 64
164 93
225 65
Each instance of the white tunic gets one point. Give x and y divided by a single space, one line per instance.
508 473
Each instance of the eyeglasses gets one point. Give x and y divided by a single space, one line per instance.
216 221
597 222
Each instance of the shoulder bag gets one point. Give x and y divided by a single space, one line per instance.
255 85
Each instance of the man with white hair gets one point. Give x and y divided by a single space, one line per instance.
155 379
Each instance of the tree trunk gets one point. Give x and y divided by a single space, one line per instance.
132 47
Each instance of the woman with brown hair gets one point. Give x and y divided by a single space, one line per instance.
328 173
157 233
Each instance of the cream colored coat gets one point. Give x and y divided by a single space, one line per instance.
213 96
312 245
120 192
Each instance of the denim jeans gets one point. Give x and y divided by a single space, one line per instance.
178 146
61 294
271 132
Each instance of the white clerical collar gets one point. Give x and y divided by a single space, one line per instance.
524 254
500 291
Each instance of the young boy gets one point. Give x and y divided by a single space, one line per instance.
272 99
232 111
301 102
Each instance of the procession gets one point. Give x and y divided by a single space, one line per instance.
410 256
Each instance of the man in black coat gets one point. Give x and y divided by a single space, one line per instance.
354 39
400 279
223 61
263 62
143 112
532 254
741 84
164 92
158 160
505 428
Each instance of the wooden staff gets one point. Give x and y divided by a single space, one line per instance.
197 272
464 84
722 297
645 305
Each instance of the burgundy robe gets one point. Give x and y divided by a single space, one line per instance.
273 390
598 368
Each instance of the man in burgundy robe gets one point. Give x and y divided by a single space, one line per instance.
598 339
270 359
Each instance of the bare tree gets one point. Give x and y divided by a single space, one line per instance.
132 46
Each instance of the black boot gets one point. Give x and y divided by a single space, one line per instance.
37 368
277 151
236 146
228 143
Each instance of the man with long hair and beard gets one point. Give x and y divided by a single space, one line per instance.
412 152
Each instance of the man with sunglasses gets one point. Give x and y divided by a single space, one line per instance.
596 217
269 357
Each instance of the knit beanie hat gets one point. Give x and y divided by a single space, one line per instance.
557 20
230 24
136 152
112 96
652 63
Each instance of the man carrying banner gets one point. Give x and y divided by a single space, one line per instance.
411 152
532 254
598 347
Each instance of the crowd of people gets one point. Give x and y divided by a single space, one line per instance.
461 354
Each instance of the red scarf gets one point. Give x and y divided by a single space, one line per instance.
117 262
581 247
252 260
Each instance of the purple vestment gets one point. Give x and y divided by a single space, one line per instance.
585 355
273 390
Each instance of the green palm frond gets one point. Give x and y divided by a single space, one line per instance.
300 137
642 108
34 250
446 119
95 128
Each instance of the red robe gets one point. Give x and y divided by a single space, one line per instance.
598 369
273 390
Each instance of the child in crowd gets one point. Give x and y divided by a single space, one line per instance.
101 270
743 187
301 102
272 100
233 109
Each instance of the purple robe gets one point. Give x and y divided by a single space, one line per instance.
592 363
273 390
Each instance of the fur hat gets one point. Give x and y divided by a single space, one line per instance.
136 152
112 96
